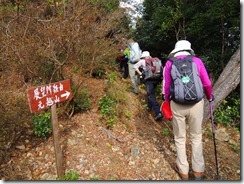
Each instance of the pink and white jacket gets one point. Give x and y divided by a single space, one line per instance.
167 80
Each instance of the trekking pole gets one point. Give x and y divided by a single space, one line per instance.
215 150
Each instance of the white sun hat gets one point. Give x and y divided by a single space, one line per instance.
145 54
182 45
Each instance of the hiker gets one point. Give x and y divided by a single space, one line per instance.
134 57
124 63
123 58
151 84
187 113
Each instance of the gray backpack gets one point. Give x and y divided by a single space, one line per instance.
153 68
186 85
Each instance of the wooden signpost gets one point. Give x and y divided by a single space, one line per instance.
47 96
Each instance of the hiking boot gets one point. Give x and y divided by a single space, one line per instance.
159 116
182 176
198 175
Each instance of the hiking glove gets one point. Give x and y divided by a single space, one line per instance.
211 99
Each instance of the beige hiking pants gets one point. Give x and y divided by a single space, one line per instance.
193 116
133 77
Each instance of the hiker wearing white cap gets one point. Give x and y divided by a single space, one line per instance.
181 46
150 82
184 113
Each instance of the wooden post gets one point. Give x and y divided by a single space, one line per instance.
45 96
57 147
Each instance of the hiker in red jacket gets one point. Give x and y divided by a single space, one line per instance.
185 113
123 58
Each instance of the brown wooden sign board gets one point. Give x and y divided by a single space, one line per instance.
45 96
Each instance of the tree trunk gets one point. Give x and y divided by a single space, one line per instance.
226 83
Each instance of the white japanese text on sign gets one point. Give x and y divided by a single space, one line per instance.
46 96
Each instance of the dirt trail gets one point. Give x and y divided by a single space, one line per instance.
137 148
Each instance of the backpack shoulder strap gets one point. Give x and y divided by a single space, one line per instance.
189 57
148 60
173 59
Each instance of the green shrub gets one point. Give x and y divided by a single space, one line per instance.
228 113
98 73
70 175
82 101
108 110
235 147
112 77
42 124
166 132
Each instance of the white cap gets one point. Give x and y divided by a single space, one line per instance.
182 45
145 54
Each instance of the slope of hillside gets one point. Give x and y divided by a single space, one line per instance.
137 148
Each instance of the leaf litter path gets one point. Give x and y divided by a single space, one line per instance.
137 148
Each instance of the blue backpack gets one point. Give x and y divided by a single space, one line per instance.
186 85
135 53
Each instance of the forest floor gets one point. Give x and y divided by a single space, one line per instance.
136 148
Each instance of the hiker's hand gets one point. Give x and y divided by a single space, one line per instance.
142 75
211 99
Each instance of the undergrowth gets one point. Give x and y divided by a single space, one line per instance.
228 113
108 110
42 124
69 175
113 104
